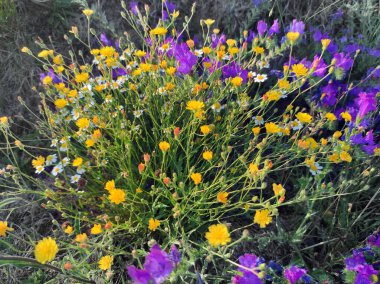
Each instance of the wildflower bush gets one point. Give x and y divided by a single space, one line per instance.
190 147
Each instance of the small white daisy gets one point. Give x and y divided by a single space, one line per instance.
65 161
39 169
260 78
56 170
296 125
51 159
54 143
75 178
198 52
258 120
138 113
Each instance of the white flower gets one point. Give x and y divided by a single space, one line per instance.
198 52
75 178
217 107
81 170
263 64
296 125
161 90
258 120
54 143
51 159
56 170
226 57
65 161
251 74
138 113
316 169
39 169
63 147
260 78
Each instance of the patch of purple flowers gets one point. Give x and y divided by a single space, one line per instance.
158 266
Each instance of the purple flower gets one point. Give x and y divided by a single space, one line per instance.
343 61
56 79
274 29
134 7
250 261
320 66
261 27
157 267
139 276
246 279
186 59
297 26
294 273
366 103
105 40
175 256
374 240
233 70
332 47
251 36
353 262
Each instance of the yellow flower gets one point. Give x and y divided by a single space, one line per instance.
117 196
89 143
158 31
97 134
60 103
325 42
278 189
58 60
77 162
337 134
330 116
88 12
164 146
256 130
271 128
3 120
82 77
140 53
207 155
231 42
69 230
222 197
81 238
205 129
105 262
72 93
299 69
262 218
346 116
153 224
47 80
83 123
209 22
334 158
253 169
4 228
195 105
258 49
171 70
25 49
304 117
218 235
110 185
283 84
273 95
292 36
237 81
45 250
196 177
345 157
96 229
45 53
107 51
39 161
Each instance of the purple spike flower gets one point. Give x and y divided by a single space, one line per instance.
134 7
261 27
366 103
297 26
274 29
175 256
294 273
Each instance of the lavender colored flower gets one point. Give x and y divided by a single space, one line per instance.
261 27
353 262
157 267
250 262
170 7
274 29
175 256
186 59
246 279
233 70
251 36
55 78
374 240
139 276
343 61
134 7
320 66
297 26
294 273
332 47
105 41
366 103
